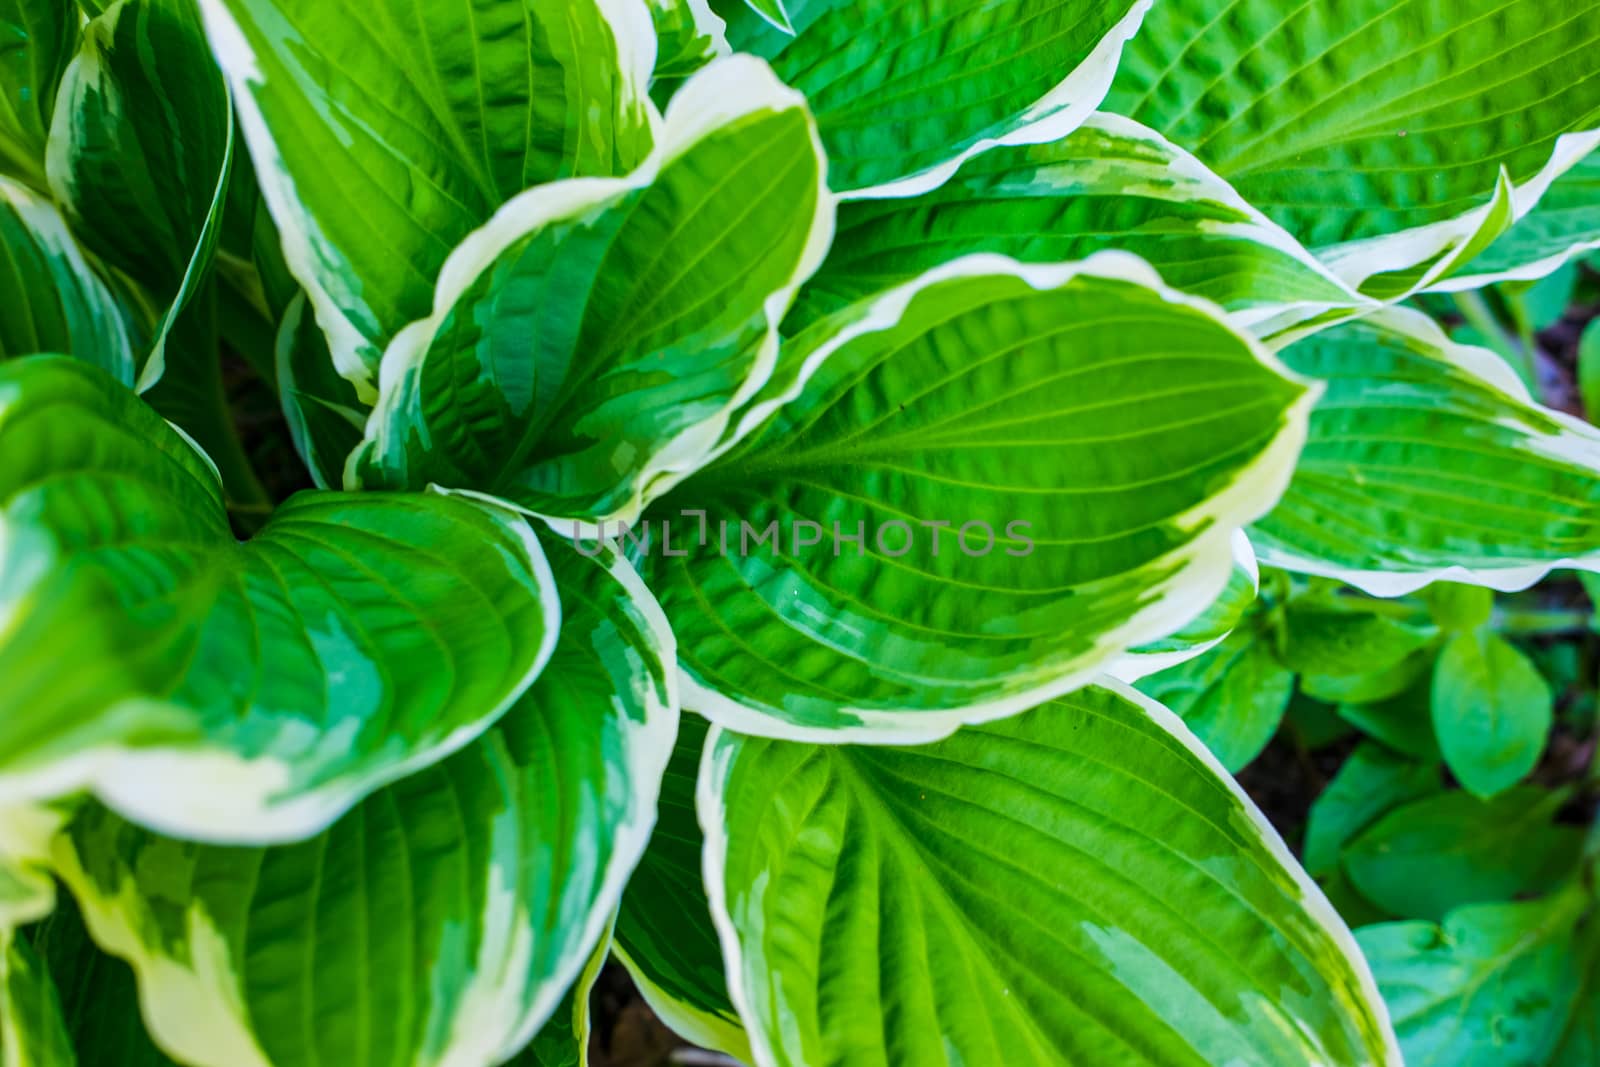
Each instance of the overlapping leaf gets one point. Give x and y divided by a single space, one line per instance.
325 416
243 691
140 150
37 40
54 301
32 1032
596 334
384 132
1377 132
904 92
442 919
1111 183
1427 460
1022 403
1078 884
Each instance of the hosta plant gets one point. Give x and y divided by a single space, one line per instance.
748 452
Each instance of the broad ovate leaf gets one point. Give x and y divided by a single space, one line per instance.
1396 138
1111 183
596 334
1082 883
1490 985
37 40
990 485
385 131
243 691
442 920
140 150
53 299
903 93
1427 460
664 933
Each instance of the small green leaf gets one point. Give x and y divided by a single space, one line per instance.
904 93
237 691
596 336
1492 711
1031 501
1345 637
1371 687
1078 884
1589 370
1370 782
1233 697
1401 721
385 131
1493 985
1442 851
1458 607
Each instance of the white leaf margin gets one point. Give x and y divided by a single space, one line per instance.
716 763
1209 558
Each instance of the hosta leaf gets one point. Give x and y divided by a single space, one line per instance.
54 301
1564 224
37 40
1078 884
384 132
1427 460
664 933
140 150
442 920
1207 629
1442 851
239 691
688 36
563 1041
323 413
1233 697
904 92
1111 183
1370 783
597 334
1494 984
32 1033
1377 131
1018 401
1492 711
1343 637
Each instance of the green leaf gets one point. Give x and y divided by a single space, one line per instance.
32 1033
1492 985
1401 720
54 301
1343 636
140 149
37 39
1047 889
904 93
1396 138
1207 629
1088 504
1371 782
250 691
1458 607
1442 851
1427 460
1492 711
773 11
440 921
1371 687
664 934
99 1001
1563 225
597 335
563 1041
1589 371
1111 183
384 132
325 417
688 36
1233 697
